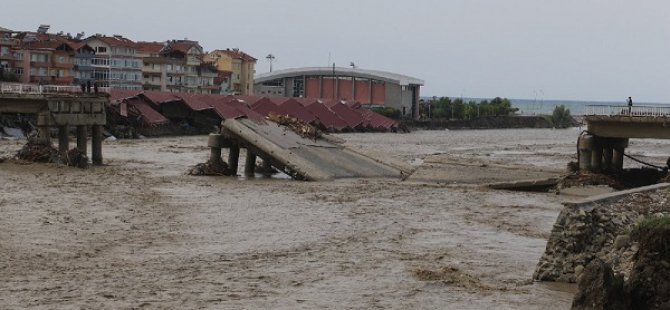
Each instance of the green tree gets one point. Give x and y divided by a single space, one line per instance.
561 117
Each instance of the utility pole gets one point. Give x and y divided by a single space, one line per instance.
271 59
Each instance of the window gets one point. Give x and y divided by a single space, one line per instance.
60 59
18 71
39 57
101 49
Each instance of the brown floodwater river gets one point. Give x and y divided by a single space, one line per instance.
139 232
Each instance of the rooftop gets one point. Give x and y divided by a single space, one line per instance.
403 80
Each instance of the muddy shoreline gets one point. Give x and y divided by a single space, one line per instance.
138 232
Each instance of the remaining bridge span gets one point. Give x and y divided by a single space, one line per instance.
610 127
61 107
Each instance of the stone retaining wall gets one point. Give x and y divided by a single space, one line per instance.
598 228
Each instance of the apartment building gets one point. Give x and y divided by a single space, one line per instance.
242 66
43 58
7 43
116 63
176 66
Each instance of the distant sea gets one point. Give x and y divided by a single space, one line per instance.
539 106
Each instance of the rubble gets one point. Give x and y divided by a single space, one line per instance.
38 152
299 127
211 168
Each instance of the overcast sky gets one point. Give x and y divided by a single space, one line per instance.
560 49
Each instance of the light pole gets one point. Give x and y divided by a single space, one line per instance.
270 58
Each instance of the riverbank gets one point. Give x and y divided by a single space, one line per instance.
489 122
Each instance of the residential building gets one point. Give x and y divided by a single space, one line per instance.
116 63
44 58
7 43
176 66
223 82
242 66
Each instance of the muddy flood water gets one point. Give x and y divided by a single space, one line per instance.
140 233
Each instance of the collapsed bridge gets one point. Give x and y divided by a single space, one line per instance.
301 157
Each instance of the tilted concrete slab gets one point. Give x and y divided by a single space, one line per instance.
304 158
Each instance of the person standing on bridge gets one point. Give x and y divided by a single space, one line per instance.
630 105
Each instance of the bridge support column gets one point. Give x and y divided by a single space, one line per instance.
43 134
250 164
596 156
63 141
81 139
618 146
607 158
585 152
233 158
96 141
617 159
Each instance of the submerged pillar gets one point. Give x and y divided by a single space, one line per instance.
96 141
63 141
585 152
233 158
81 139
250 164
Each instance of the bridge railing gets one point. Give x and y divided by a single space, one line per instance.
622 110
19 88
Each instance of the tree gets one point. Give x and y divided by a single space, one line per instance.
561 117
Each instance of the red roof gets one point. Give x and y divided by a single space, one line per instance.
237 54
243 107
350 116
326 117
158 97
145 112
376 120
118 94
195 102
265 107
297 110
114 40
149 47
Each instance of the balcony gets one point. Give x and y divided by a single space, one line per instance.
40 64
63 65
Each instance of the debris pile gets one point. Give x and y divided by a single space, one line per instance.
298 126
38 152
216 167
75 158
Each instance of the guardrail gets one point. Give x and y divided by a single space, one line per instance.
609 110
18 88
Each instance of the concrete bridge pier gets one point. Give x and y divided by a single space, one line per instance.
63 141
215 143
586 152
81 139
598 154
96 145
607 158
233 158
250 164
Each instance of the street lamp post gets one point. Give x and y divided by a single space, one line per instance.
271 59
